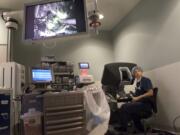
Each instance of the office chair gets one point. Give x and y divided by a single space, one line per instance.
146 117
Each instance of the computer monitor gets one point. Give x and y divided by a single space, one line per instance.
55 19
41 75
84 65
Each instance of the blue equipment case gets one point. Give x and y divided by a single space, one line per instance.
6 112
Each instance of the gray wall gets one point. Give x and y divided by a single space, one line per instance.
26 54
168 95
149 35
3 41
97 50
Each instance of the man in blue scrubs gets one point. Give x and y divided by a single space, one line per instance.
141 103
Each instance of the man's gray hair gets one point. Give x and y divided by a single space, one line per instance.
136 68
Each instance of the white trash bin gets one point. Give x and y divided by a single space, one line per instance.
32 122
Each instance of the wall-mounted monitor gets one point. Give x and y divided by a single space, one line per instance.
39 75
55 18
84 65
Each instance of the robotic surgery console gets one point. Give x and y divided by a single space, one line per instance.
115 77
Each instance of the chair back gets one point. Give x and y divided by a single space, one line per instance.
154 105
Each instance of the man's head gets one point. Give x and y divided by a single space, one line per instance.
137 72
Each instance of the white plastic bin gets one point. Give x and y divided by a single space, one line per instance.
32 123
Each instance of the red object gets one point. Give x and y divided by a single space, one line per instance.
84 72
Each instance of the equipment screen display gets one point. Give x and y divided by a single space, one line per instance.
54 19
84 65
41 75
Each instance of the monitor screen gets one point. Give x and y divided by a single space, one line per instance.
55 19
84 65
41 75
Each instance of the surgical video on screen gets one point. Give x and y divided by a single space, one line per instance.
54 19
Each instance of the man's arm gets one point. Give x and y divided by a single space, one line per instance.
149 93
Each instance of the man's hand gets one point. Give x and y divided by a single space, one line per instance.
147 94
135 99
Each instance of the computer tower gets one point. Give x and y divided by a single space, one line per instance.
6 112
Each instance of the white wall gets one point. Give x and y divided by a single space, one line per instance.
3 41
149 35
167 79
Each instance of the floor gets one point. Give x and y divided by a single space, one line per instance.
112 131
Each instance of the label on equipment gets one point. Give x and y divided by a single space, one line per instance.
4 102
4 128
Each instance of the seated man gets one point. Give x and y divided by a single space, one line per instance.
141 103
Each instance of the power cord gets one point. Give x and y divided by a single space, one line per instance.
174 123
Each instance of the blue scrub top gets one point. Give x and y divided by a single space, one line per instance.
143 86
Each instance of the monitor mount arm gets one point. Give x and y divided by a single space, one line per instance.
124 82
125 69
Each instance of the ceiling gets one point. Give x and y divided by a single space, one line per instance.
114 10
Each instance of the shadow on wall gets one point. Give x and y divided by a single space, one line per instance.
26 54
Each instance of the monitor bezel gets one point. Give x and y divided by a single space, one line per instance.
41 82
53 37
84 63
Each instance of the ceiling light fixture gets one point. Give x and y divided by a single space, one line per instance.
95 16
101 16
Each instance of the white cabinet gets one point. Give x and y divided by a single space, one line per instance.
12 75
